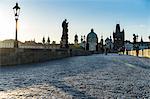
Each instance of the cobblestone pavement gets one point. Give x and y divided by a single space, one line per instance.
84 77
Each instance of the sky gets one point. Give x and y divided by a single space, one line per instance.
40 18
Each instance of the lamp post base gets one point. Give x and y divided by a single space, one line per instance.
16 44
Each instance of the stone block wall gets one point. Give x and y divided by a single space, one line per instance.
12 56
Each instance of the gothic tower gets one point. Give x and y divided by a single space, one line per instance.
119 38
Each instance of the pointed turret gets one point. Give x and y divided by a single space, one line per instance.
141 40
117 28
123 31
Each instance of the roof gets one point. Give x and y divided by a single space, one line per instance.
92 34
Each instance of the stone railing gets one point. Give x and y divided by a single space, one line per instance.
13 56
142 53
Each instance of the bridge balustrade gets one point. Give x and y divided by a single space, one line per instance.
142 53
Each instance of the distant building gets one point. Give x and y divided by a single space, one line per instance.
119 38
92 41
128 45
31 44
142 45
7 43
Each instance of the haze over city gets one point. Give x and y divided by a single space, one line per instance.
40 18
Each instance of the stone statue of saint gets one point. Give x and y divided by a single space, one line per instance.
64 38
65 26
135 38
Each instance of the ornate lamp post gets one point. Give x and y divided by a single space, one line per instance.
16 9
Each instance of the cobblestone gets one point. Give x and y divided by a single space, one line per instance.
107 77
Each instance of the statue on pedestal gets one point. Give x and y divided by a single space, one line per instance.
64 38
65 26
135 37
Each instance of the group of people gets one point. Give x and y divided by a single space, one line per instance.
122 49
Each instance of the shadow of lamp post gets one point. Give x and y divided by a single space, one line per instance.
16 9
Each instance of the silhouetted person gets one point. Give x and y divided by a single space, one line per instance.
127 52
70 52
123 49
106 50
137 51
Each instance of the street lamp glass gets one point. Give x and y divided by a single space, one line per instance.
16 11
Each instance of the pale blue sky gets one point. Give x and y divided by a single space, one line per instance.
40 18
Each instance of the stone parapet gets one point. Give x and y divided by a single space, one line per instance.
12 56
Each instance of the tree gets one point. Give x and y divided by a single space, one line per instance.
43 40
48 40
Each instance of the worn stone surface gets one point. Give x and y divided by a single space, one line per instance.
85 77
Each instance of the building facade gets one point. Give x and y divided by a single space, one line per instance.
9 43
92 41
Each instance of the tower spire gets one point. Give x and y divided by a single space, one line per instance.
141 39
117 28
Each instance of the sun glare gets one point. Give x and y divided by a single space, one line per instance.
6 25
